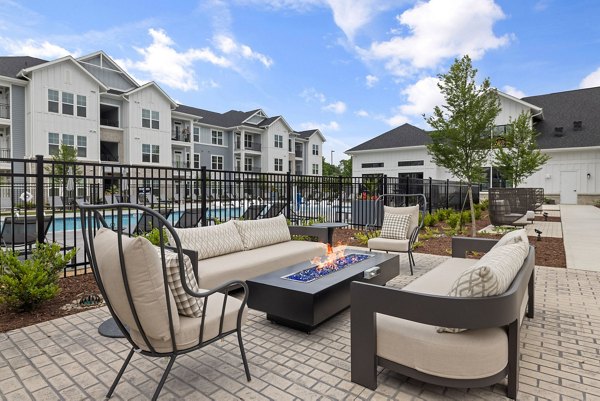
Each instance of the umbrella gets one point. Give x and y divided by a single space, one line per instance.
70 185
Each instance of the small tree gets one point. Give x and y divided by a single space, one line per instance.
516 155
329 169
460 140
346 167
66 156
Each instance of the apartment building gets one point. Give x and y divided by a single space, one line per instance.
569 132
92 104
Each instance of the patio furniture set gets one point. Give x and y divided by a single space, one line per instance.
514 206
171 300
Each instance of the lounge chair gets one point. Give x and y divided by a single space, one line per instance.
148 221
56 202
158 318
275 210
253 212
22 231
189 218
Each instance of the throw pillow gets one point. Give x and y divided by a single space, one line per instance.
263 232
395 226
512 237
412 211
491 275
187 305
210 241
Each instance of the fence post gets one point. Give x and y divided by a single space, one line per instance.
203 194
385 184
288 194
340 189
447 193
430 196
39 197
407 185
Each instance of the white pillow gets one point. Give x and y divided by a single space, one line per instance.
512 237
210 241
491 275
395 226
263 232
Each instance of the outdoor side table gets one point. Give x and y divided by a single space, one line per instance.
330 229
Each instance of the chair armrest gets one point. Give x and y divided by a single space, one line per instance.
462 245
319 232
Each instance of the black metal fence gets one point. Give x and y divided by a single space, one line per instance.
32 189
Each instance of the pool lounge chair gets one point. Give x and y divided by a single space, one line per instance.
275 210
252 212
149 221
189 218
22 231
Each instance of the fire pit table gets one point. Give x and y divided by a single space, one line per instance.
303 296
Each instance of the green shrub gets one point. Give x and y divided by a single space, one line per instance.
453 219
484 204
154 236
466 216
24 285
429 220
443 214
363 238
477 213
597 203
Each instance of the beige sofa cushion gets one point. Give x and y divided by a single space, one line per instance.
210 241
145 279
395 226
512 237
412 211
259 233
189 333
244 265
386 244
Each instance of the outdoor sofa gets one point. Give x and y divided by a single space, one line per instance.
399 329
242 249
514 206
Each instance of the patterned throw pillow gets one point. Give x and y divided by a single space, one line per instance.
491 275
210 241
259 233
187 305
395 226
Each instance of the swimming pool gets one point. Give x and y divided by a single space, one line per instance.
130 219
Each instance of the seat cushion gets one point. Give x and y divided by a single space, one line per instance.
386 244
210 241
247 264
413 211
395 226
145 279
260 233
189 332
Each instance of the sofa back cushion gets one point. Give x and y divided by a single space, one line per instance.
395 226
512 237
412 211
210 241
263 232
145 279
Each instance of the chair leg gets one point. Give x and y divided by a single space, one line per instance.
410 262
164 378
114 385
239 334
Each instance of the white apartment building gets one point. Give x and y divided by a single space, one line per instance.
93 105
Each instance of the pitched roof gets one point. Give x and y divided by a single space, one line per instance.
268 121
232 118
306 134
402 136
561 110
10 66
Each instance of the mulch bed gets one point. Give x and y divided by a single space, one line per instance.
554 219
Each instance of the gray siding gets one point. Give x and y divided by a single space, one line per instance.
206 152
18 124
109 78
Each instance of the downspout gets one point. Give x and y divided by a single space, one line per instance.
21 74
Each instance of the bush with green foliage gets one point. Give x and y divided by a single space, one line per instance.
466 217
363 238
430 220
25 284
443 214
484 204
154 236
453 220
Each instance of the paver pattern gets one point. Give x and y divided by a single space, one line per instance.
67 359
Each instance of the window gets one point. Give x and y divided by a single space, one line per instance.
408 163
371 165
248 141
67 103
68 140
53 143
217 162
315 169
155 120
81 106
248 164
145 118
196 160
52 101
81 146
196 134
315 149
150 153
289 146
217 137
279 141
278 164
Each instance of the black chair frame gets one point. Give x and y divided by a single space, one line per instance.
91 221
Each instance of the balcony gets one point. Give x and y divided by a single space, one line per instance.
109 151
252 169
5 110
298 153
4 153
109 115
181 164
252 146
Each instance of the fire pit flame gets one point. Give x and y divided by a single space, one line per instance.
334 261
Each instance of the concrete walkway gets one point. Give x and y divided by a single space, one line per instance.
581 234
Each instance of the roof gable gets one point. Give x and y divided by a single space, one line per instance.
154 85
99 61
66 59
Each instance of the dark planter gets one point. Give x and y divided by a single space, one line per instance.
365 212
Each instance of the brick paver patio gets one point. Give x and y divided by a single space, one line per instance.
67 359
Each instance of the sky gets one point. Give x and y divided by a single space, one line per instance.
352 68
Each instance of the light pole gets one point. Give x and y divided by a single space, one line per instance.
332 157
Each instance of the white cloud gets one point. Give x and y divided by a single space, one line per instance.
421 98
34 48
593 79
439 29
396 120
541 5
311 94
229 46
362 113
323 127
338 107
371 80
511 90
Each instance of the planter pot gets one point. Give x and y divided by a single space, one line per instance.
365 212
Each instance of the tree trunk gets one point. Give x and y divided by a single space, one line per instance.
473 226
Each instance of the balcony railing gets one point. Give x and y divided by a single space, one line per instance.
181 164
109 122
5 111
252 146
4 153
298 153
180 136
252 169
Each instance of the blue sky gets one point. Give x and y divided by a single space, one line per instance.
353 68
